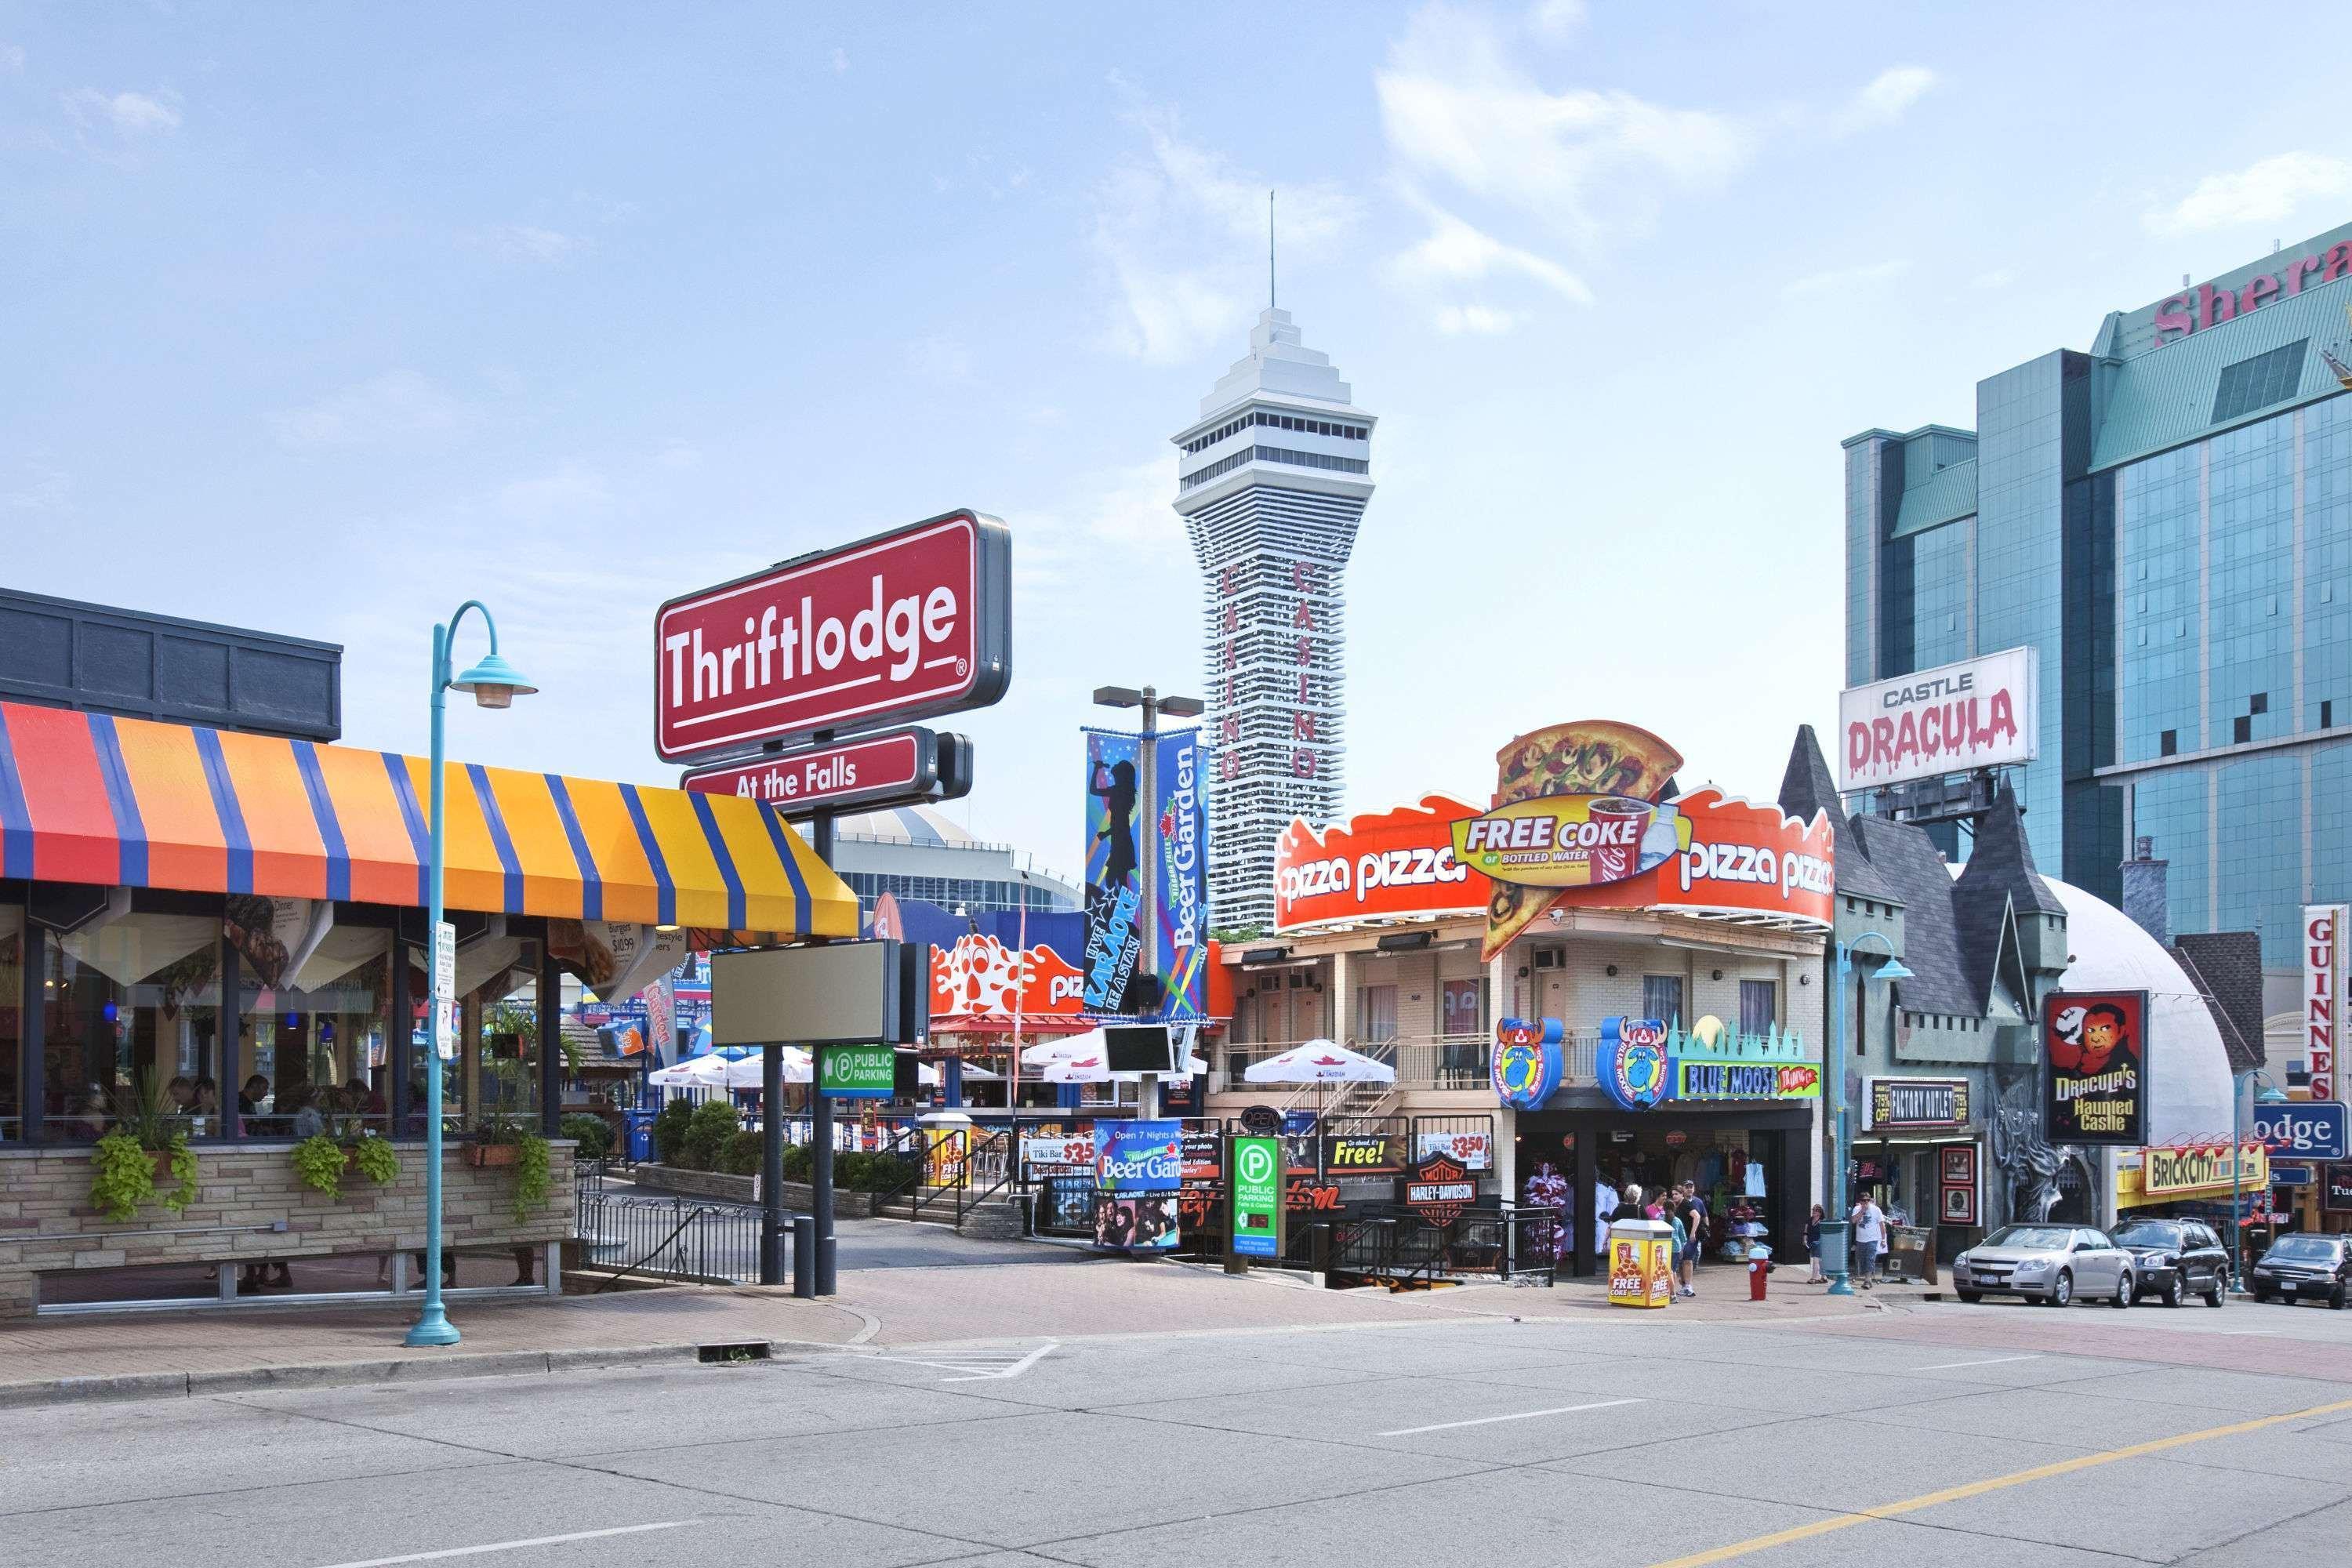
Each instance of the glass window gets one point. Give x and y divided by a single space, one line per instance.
1662 998
315 1039
131 1009
1759 1006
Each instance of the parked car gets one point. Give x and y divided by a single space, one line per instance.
2304 1265
2053 1264
2176 1259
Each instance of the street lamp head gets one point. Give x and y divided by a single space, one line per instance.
1117 696
2268 1093
494 683
1893 969
1182 707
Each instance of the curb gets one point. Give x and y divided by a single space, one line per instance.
335 1375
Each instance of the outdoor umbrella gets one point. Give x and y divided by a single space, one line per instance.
695 1072
1320 1061
1067 1049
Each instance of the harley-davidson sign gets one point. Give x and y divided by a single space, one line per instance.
892 628
1439 1190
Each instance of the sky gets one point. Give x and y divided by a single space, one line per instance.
320 320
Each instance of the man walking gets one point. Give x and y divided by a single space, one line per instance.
1869 1238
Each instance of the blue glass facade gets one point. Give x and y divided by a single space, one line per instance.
2182 564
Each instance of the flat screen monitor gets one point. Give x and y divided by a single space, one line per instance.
1138 1048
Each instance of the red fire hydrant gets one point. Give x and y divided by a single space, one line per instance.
1758 1268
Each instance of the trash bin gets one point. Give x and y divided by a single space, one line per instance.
1641 1263
641 1134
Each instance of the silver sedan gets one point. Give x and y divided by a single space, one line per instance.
2053 1264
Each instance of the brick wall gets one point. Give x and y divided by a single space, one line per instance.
46 1222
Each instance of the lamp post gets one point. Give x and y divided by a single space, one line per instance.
1836 1250
1147 849
492 683
2268 1093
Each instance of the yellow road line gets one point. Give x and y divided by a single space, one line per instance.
1978 1489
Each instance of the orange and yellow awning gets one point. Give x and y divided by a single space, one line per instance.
86 797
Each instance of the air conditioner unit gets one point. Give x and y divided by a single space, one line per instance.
1550 958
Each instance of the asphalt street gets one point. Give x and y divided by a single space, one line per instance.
1944 1435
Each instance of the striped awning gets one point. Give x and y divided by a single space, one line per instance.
86 797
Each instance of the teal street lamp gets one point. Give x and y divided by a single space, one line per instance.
2265 1093
492 683
1836 1245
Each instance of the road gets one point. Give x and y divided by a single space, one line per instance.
1944 1435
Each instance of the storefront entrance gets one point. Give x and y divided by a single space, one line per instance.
1751 1165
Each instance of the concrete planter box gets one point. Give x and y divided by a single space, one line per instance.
726 1189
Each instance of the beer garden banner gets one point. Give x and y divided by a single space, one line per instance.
1183 913
1113 887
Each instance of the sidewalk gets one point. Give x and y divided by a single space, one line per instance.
154 1355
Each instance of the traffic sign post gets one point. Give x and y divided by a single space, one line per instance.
1253 1167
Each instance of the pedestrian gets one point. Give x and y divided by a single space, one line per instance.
1630 1207
1869 1234
1679 1258
1692 1219
1813 1247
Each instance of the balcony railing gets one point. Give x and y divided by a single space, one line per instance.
1422 1062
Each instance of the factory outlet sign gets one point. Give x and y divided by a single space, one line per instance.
1916 1104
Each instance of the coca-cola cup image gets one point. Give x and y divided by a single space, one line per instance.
1620 822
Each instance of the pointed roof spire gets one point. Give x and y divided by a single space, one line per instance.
1807 789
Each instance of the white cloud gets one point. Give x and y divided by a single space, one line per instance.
1889 95
1840 280
1181 234
678 453
399 408
129 115
840 62
1457 251
1999 277
1478 320
526 242
1116 516
1555 19
45 489
942 361
2271 188
1589 161
12 59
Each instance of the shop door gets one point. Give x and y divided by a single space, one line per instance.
1551 994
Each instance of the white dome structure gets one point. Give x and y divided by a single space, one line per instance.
2189 1093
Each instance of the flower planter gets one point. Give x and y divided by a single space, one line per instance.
161 1158
479 1155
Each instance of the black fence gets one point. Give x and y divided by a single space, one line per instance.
624 1235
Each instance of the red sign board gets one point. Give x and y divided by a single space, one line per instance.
898 626
1375 867
902 763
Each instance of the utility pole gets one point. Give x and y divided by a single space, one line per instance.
1147 808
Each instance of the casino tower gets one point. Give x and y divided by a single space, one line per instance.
1271 480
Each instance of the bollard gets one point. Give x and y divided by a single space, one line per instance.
804 1255
1756 1269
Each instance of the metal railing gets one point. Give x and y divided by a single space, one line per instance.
1422 1062
663 1237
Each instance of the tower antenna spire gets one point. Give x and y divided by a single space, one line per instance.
1269 250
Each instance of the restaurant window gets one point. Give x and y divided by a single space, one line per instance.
1759 1006
1662 998
1376 1015
130 1016
312 1024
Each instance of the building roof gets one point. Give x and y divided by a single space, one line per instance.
1944 496
2227 967
1998 878
1807 788
1914 872
2165 396
1280 365
909 824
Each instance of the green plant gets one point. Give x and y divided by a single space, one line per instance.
741 1155
592 1133
318 1161
123 1176
713 1123
375 1160
886 1173
800 1162
669 1130
532 1180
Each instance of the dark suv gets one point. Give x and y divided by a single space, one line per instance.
2174 1260
2304 1265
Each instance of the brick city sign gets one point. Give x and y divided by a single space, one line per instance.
902 765
899 627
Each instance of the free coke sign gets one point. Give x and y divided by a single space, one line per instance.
898 626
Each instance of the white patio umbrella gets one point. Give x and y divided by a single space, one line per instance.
1320 1061
695 1072
1070 1047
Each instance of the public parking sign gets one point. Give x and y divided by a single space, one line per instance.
857 1072
2303 1130
895 627
1256 1168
